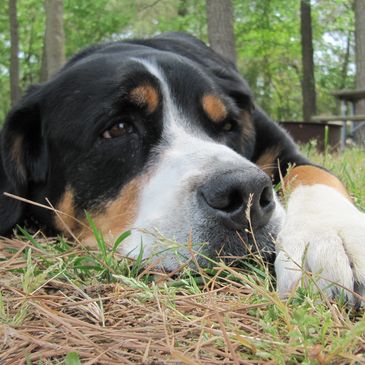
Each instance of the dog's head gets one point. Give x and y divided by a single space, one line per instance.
152 136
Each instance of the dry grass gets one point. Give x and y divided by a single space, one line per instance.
50 317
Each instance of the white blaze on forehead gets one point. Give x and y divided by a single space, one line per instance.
181 135
170 111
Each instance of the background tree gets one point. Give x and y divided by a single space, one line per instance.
54 39
268 49
14 55
220 27
308 81
359 7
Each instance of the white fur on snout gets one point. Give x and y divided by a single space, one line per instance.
324 233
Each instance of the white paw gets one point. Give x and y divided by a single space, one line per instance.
324 234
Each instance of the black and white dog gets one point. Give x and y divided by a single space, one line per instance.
162 135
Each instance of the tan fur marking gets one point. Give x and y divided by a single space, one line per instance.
111 221
145 95
66 206
311 175
214 108
17 153
119 215
268 161
248 130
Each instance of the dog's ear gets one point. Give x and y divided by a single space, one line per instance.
24 160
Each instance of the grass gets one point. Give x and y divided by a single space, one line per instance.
62 303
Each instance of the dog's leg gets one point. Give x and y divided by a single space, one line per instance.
324 232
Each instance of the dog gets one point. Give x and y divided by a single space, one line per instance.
162 137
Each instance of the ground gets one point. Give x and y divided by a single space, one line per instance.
61 303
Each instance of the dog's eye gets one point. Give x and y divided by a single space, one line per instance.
117 130
227 127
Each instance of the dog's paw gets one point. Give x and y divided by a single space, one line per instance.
324 234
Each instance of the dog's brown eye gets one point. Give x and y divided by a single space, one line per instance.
117 130
227 127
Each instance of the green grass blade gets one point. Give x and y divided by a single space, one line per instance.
31 239
138 263
97 234
120 239
72 358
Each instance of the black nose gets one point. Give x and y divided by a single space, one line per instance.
229 195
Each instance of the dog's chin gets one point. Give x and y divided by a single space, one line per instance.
233 247
218 244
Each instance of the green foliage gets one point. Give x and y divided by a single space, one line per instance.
4 60
173 15
72 358
333 28
268 45
89 22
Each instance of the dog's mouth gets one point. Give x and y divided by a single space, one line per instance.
241 230
234 245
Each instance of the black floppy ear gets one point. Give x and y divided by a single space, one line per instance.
23 158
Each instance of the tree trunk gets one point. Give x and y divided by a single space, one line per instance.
346 60
14 58
359 7
220 27
43 75
54 39
182 9
308 82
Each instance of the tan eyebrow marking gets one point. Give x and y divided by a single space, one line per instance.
145 95
214 108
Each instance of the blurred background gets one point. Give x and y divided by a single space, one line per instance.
274 42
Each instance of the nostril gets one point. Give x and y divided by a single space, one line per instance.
266 197
235 201
223 200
